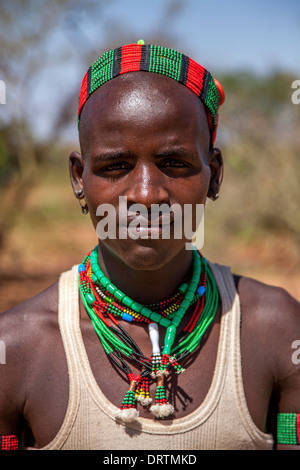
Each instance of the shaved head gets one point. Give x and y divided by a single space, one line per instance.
135 97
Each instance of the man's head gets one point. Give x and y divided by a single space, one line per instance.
145 137
159 60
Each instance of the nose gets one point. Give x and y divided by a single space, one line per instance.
147 185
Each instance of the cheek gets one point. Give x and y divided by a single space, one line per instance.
195 189
192 190
98 192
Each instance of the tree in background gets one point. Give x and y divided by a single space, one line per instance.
36 38
60 39
261 140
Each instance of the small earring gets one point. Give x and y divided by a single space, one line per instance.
215 197
78 192
84 207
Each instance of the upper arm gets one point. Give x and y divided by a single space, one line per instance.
285 336
287 363
270 352
22 330
11 374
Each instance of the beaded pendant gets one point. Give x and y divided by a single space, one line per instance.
106 304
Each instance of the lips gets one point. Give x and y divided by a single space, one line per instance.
131 218
140 227
144 223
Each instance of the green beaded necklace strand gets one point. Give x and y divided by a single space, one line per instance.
117 343
170 324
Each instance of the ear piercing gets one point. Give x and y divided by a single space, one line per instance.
84 207
78 193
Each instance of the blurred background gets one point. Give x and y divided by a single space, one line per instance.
252 47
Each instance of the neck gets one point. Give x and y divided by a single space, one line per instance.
147 286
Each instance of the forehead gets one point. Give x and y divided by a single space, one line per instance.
143 100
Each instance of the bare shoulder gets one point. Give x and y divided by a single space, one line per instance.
271 319
28 317
268 305
26 331
27 326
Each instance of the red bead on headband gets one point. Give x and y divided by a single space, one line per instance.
161 60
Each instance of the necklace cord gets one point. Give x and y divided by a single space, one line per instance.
105 303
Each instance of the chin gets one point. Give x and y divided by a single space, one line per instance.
146 255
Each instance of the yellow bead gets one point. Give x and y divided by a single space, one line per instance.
141 42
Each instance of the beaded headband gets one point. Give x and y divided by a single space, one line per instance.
161 60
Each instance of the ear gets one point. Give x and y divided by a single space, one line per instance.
216 168
76 165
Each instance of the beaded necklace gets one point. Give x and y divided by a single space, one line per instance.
105 304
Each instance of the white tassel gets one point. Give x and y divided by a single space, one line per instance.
127 411
162 411
145 401
161 408
127 416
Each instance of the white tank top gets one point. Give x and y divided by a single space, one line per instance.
222 421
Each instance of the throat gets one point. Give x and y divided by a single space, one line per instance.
148 286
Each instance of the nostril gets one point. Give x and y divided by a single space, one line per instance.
147 192
147 200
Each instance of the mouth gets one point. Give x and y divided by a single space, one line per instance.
139 227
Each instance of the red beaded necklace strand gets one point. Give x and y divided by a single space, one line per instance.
105 308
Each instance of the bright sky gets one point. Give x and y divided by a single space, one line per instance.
223 35
256 34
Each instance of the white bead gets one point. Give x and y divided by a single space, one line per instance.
154 337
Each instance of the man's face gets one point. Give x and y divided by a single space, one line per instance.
146 138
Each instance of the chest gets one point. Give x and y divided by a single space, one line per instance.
185 391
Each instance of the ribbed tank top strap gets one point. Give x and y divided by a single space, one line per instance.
228 297
261 439
225 284
68 320
234 393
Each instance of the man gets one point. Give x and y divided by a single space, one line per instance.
78 348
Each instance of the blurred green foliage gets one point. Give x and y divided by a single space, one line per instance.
259 136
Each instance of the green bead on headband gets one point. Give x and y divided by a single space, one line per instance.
161 60
288 428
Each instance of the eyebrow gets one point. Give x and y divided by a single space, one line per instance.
111 156
175 151
168 152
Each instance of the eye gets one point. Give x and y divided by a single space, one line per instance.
174 163
116 167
